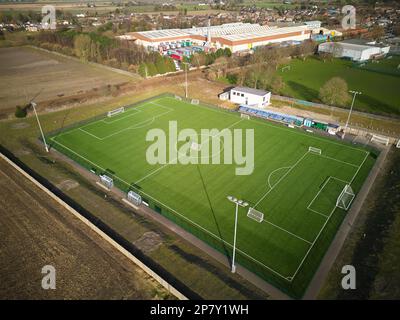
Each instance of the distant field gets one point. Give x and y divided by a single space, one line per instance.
295 189
379 89
269 4
25 71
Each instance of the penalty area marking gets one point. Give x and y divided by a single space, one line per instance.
138 125
327 220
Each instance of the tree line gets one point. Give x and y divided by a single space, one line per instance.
95 47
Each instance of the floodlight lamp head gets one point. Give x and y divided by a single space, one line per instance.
245 204
230 198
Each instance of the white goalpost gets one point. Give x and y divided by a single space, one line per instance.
134 198
112 113
107 181
398 144
178 98
195 101
345 198
380 139
244 116
255 215
314 150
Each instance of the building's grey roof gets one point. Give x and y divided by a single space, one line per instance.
266 32
363 42
256 92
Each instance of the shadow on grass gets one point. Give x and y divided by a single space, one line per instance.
373 105
225 249
304 92
204 264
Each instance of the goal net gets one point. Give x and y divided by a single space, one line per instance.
134 198
398 144
255 215
115 112
178 98
345 198
314 150
195 101
244 116
380 139
107 181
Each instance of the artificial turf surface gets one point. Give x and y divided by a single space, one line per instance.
294 188
378 82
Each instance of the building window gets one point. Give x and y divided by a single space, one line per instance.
242 95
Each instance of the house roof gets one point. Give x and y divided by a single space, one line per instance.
256 92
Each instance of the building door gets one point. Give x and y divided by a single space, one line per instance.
247 101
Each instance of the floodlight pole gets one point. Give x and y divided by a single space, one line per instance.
355 93
186 82
233 269
237 204
40 127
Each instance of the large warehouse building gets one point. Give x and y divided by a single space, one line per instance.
355 50
235 36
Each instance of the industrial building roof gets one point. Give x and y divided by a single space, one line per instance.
231 34
265 33
364 42
160 34
351 46
256 92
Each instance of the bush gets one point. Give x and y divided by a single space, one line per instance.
20 112
232 78
142 70
151 69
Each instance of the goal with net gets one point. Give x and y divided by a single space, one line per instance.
398 144
255 215
115 112
345 198
380 139
314 150
107 181
244 116
134 198
178 98
195 101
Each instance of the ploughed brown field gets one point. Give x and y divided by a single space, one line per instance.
25 71
36 231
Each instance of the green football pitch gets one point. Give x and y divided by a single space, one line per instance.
294 188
